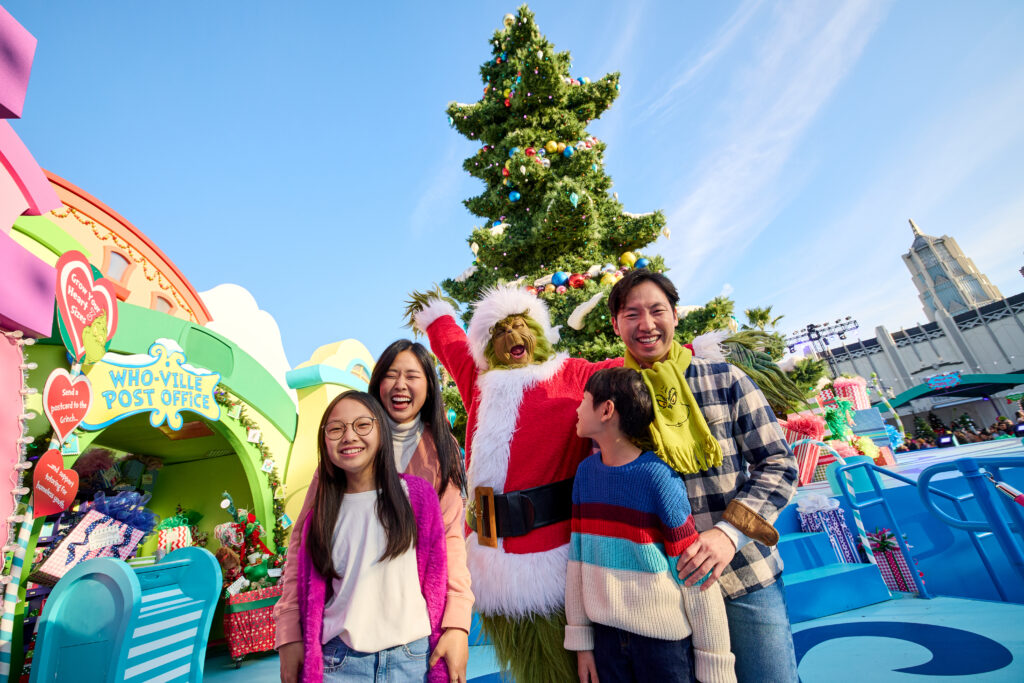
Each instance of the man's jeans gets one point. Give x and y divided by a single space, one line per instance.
624 657
760 636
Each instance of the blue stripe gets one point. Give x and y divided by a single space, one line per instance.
620 554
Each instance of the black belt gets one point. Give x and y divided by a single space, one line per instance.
517 513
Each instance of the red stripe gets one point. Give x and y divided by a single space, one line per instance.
619 526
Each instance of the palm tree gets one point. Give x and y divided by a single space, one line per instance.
761 318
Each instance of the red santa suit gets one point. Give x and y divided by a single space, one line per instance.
520 434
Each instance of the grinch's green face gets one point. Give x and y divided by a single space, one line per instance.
513 342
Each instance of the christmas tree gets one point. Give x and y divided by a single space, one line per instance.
922 430
549 220
936 424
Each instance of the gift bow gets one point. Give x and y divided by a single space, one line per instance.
815 502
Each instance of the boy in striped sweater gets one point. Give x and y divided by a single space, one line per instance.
629 615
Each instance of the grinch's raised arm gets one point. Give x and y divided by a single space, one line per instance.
433 314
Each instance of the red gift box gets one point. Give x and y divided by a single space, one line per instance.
249 621
802 426
891 563
854 390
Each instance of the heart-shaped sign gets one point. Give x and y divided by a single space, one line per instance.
66 401
87 308
53 487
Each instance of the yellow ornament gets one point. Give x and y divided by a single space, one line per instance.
607 280
509 20
617 275
561 147
507 92
551 147
549 287
627 259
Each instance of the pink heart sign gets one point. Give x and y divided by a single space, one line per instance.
87 308
66 401
53 487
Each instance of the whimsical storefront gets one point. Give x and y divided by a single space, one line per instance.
117 383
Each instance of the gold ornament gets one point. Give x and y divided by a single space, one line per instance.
628 259
551 147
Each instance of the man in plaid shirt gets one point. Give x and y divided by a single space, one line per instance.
735 503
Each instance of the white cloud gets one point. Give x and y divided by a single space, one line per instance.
722 41
731 196
236 315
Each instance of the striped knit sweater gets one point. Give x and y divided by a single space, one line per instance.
629 526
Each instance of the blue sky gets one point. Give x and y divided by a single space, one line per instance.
301 149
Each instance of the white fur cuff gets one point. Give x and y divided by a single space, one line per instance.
436 309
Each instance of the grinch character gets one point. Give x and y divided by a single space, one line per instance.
522 452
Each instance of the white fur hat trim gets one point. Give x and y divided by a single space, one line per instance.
498 303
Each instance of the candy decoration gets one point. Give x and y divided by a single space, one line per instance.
642 262
628 259
576 280
560 278
522 169
514 196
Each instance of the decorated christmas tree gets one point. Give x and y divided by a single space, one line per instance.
549 219
922 430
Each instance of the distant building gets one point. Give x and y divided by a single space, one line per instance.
945 278
972 330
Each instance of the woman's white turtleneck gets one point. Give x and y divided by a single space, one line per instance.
405 438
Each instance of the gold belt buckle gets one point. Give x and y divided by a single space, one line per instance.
486 526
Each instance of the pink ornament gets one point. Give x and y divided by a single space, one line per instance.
561 289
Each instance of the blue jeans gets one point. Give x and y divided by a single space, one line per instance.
624 657
760 636
398 664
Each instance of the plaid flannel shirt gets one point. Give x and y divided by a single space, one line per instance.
758 467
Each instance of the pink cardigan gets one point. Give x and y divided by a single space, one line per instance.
430 561
457 613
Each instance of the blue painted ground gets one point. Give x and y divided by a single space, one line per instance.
905 640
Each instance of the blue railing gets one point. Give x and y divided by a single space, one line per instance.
1000 520
879 499
981 490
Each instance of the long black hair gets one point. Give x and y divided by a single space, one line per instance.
433 413
393 508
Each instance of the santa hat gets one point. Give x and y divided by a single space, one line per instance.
498 303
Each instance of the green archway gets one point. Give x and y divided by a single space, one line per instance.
968 386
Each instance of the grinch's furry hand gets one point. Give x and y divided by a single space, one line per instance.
418 301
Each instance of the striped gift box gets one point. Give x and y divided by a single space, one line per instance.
853 390
895 571
174 538
95 535
826 398
249 621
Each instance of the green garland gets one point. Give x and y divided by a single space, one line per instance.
280 542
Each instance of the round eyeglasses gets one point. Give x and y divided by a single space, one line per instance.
361 426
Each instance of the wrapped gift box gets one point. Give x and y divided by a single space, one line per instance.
94 535
174 538
803 426
249 621
820 514
891 563
854 390
826 398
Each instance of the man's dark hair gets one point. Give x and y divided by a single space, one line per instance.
622 288
625 388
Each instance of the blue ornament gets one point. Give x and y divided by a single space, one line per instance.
495 224
451 417
451 121
574 198
560 278
541 151
642 263
514 196
593 167
512 152
569 151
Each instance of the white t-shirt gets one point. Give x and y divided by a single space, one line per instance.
375 605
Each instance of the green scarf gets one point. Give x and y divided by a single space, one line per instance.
680 433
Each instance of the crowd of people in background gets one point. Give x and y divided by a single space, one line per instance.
964 431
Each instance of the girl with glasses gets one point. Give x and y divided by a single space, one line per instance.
370 568
405 382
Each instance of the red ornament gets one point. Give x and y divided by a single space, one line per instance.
504 172
507 103
530 151
531 290
576 280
